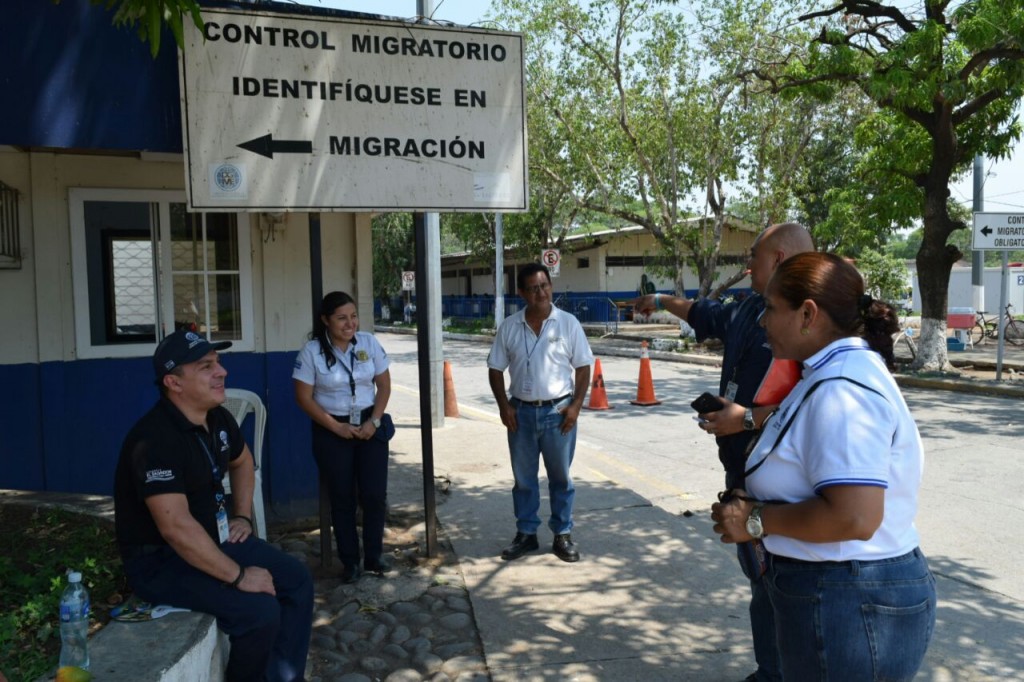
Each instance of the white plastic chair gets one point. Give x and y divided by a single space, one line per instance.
240 403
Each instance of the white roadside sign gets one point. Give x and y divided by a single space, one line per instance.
288 112
552 258
998 231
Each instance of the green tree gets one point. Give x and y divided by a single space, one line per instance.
147 17
636 112
946 79
393 253
885 276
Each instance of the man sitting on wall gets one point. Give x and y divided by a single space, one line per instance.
178 542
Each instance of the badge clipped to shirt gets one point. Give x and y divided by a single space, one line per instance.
355 415
528 386
730 390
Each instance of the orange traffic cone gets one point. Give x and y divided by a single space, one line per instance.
598 398
645 384
451 406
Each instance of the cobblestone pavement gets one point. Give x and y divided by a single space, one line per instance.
414 623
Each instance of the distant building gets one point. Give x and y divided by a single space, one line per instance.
607 264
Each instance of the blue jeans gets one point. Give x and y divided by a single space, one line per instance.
539 435
269 634
852 620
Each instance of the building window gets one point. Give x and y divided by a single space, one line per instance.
10 237
583 262
143 267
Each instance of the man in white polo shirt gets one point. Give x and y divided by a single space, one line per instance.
548 358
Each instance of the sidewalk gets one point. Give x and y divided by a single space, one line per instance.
655 596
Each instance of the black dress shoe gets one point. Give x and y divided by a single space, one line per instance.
350 574
378 567
522 544
565 548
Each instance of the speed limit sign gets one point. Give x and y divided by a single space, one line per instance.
552 259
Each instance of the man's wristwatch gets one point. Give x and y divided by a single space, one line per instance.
754 526
375 422
748 419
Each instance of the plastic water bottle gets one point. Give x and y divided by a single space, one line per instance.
74 623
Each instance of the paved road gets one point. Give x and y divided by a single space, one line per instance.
971 510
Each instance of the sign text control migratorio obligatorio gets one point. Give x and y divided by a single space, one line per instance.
998 231
283 111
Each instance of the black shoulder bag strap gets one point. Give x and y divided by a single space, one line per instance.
792 415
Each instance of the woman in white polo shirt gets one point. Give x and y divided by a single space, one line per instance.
342 382
832 486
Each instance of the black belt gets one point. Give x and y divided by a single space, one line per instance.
840 564
540 403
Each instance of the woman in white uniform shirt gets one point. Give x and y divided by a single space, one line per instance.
342 382
840 465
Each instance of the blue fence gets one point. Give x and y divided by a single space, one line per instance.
588 307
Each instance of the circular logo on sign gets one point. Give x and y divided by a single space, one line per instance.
227 177
550 257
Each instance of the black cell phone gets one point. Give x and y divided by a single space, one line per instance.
707 402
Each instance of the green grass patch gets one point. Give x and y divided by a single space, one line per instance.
38 546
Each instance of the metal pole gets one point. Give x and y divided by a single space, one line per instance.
499 270
316 286
1004 282
423 351
978 256
428 345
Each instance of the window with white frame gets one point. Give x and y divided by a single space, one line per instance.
143 267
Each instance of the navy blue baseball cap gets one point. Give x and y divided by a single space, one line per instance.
181 348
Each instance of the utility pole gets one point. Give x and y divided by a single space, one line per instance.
499 270
978 256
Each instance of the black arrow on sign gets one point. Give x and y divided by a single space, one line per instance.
986 230
266 146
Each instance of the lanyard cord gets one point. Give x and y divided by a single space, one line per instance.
213 467
526 347
792 416
351 376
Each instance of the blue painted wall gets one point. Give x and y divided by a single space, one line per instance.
81 83
63 424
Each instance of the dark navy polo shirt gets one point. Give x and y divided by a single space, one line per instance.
166 453
745 360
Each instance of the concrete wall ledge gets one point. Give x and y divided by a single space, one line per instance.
179 647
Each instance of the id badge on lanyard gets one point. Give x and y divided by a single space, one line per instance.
730 390
222 520
223 532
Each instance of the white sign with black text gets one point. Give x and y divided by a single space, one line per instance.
998 231
282 111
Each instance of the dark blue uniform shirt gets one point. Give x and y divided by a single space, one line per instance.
745 361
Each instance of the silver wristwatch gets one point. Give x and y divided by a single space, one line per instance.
375 422
754 526
748 419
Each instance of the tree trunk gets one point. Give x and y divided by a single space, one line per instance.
935 260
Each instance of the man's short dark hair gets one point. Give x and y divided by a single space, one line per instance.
529 270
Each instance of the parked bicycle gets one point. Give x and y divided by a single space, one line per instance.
988 328
905 335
